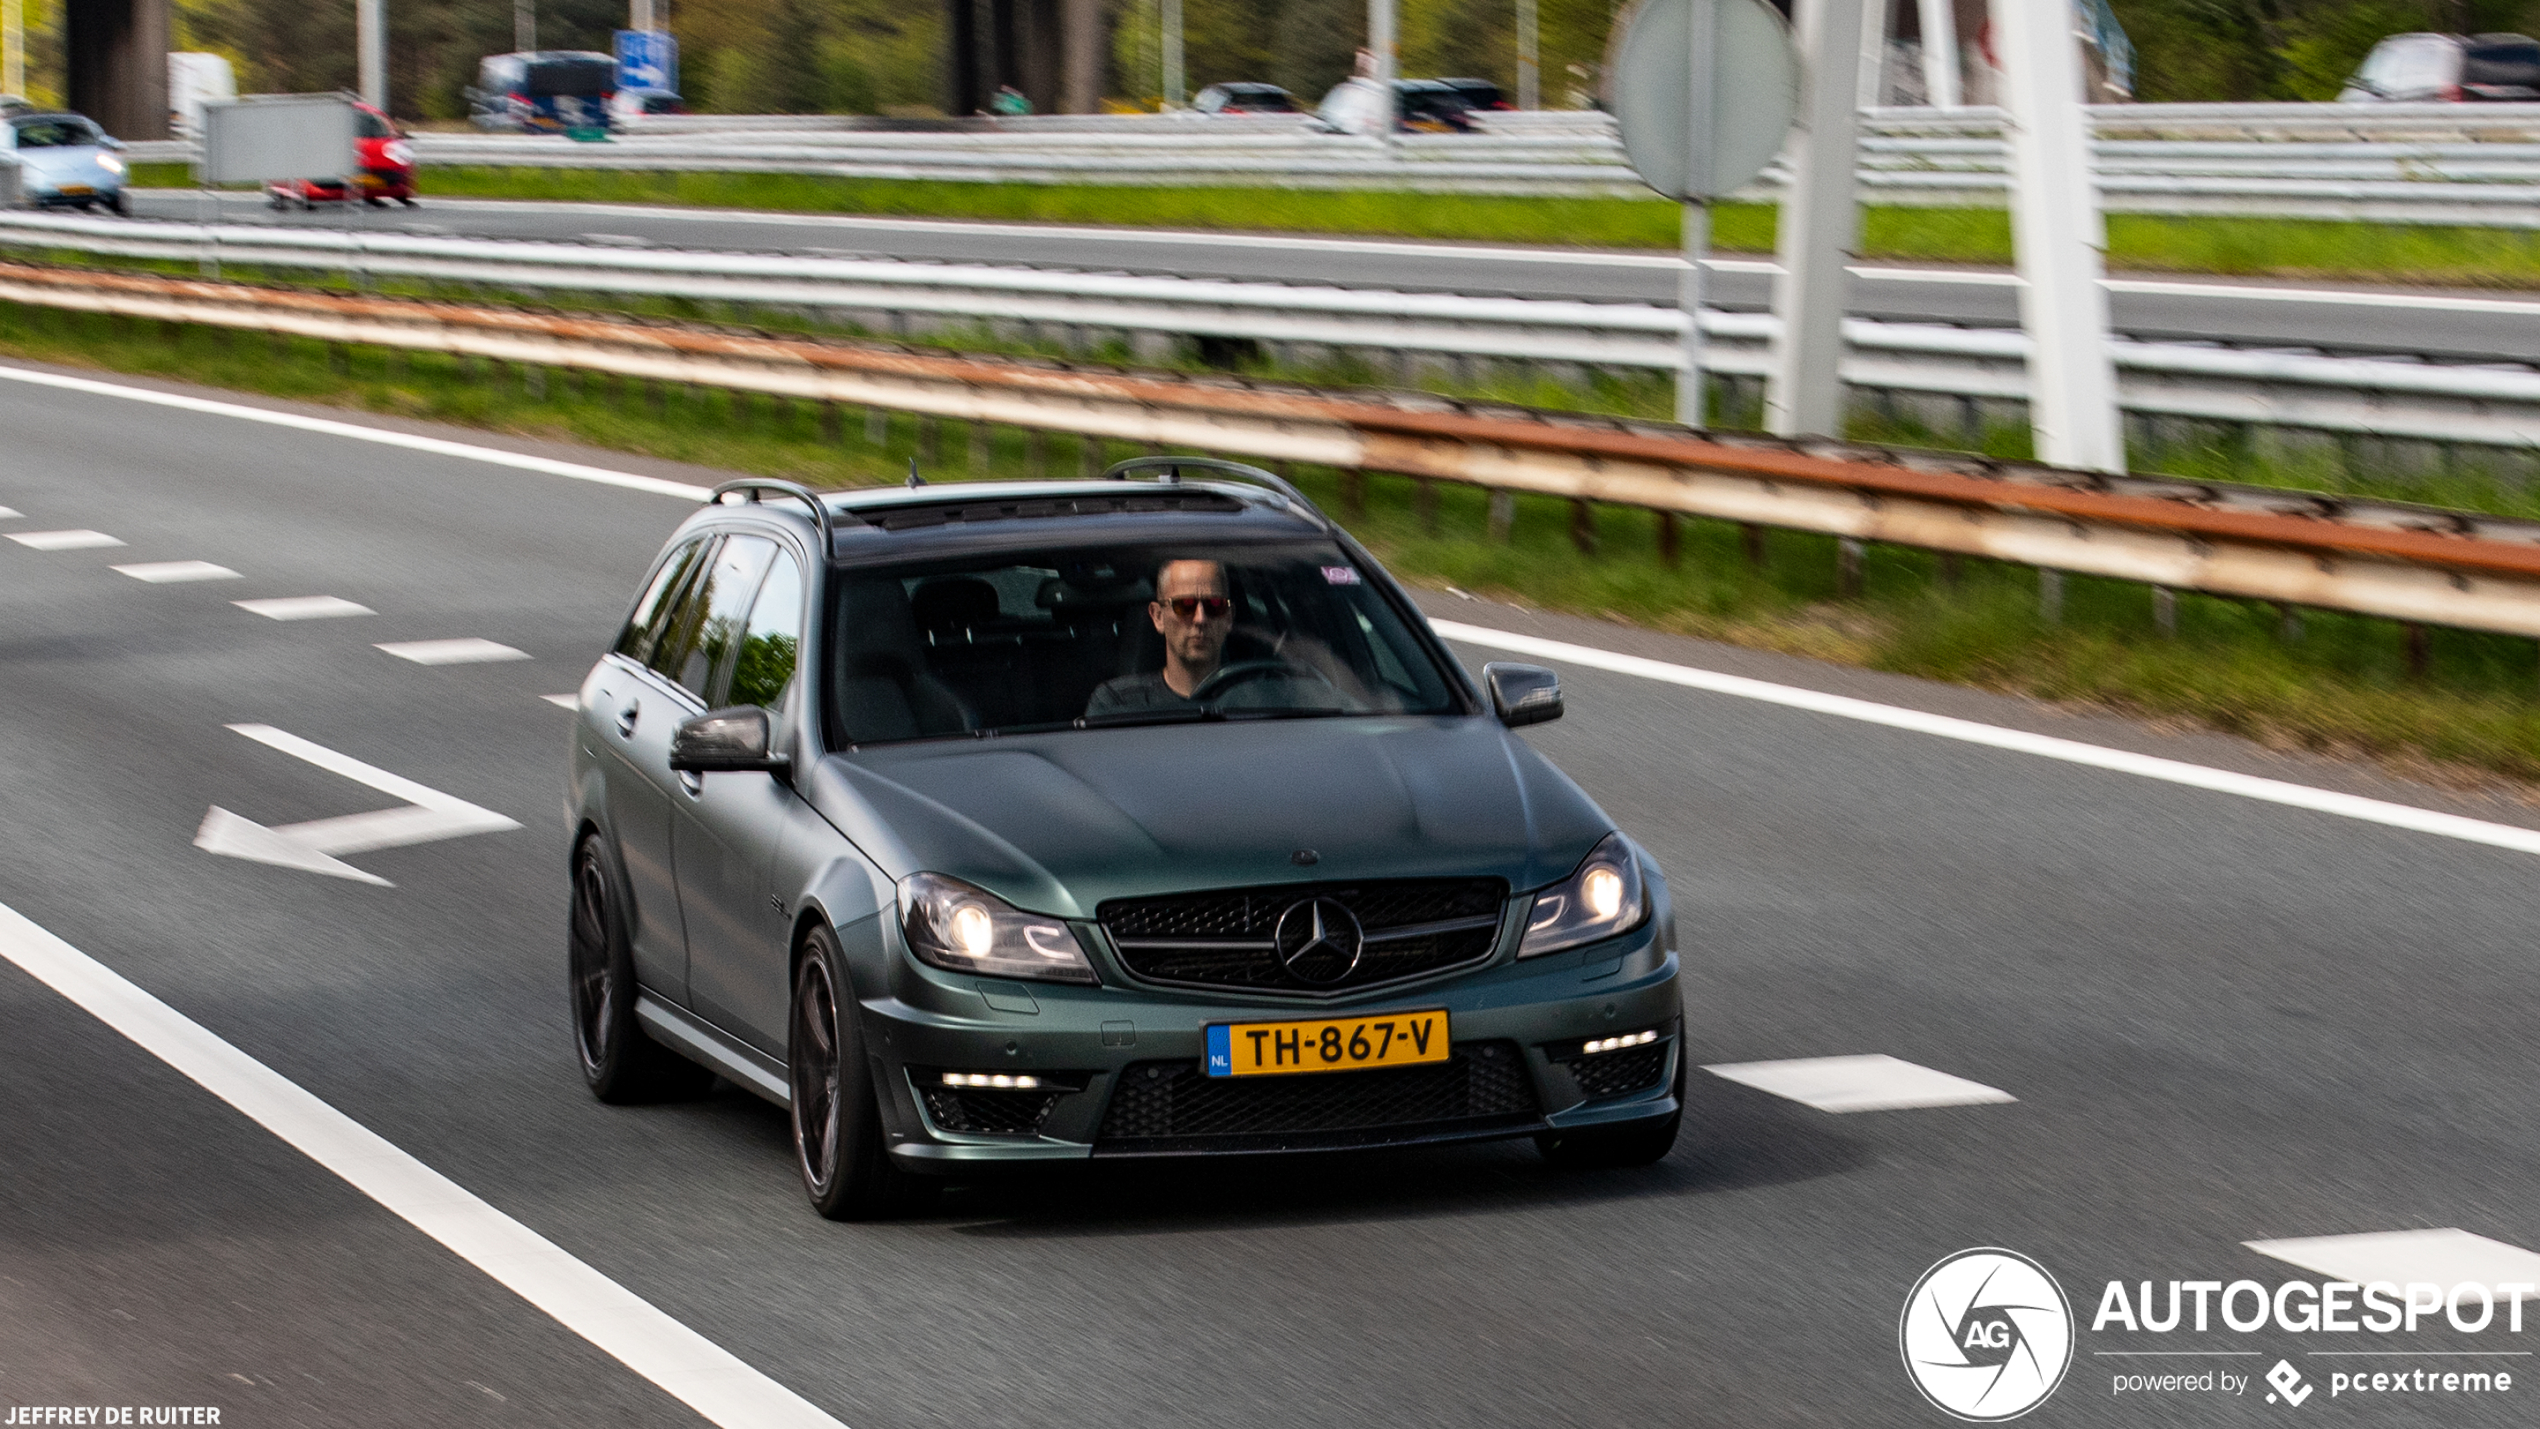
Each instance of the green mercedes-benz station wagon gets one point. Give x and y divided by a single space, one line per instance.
1137 817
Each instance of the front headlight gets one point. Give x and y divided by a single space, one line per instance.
397 152
961 929
1600 900
110 163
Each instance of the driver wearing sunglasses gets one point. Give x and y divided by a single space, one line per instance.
1194 614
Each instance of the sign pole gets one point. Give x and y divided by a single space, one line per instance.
1701 134
1529 56
1819 220
370 24
2060 239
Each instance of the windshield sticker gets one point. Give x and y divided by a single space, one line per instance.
1340 575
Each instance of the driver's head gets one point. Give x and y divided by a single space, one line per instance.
1192 613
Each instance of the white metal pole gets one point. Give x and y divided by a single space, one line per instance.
13 47
370 25
1820 217
1701 130
1172 25
1386 50
1940 52
639 16
524 24
1529 56
2060 238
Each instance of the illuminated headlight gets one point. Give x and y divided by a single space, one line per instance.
110 163
397 152
962 929
1601 899
1617 1044
1000 1081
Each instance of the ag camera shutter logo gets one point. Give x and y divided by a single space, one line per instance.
1986 1335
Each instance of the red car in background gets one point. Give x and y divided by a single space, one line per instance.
387 169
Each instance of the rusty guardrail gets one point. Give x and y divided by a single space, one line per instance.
2410 563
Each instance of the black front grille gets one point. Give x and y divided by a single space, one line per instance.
1163 1107
1610 1074
990 1113
1226 938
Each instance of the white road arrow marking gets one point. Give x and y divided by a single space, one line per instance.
313 846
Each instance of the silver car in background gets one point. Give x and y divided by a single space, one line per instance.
65 161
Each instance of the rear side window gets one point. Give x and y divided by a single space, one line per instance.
705 630
652 612
764 664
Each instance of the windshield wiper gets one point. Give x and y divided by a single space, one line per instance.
1160 714
1283 712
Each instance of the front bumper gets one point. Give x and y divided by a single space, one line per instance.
1109 1056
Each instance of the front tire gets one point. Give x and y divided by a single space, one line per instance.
837 1119
621 1063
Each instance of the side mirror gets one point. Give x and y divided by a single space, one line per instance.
725 741
1523 694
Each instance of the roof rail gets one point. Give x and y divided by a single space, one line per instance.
1174 466
753 485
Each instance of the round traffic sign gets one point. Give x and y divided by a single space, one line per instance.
1754 92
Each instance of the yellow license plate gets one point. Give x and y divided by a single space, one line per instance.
1331 1044
77 189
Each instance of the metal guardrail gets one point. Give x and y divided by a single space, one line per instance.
2395 163
2384 397
2375 558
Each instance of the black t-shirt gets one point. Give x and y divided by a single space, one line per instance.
1133 692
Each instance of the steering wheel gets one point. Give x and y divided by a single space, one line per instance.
1247 672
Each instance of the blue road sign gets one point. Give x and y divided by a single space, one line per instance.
647 59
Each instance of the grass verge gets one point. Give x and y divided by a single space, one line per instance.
2343 686
2248 247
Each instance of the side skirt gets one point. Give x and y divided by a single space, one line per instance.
710 1047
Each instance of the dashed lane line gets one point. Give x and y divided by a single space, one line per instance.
63 540
1849 1084
304 607
685 1364
452 652
2070 751
167 572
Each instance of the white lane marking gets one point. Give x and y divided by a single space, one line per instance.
429 815
1847 1084
2071 751
435 446
451 652
569 702
63 540
304 607
687 1365
2439 1257
164 572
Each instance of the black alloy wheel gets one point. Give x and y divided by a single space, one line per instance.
837 1122
620 1062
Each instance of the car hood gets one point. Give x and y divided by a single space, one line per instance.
1059 823
60 163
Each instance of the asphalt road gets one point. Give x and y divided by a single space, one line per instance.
2330 318
2223 1020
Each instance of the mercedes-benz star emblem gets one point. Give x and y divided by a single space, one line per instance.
1318 939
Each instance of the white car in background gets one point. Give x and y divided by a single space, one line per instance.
65 161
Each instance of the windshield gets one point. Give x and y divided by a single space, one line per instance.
54 134
1083 637
577 75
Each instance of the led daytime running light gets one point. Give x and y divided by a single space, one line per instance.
1617 1044
1001 1081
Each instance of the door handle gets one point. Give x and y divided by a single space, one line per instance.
627 716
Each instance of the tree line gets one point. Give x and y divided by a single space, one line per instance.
886 56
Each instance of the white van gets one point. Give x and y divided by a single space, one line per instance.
196 79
